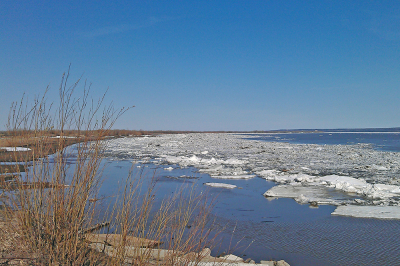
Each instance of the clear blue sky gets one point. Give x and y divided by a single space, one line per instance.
212 65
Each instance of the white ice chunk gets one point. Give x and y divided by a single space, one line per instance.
390 188
380 212
173 159
232 257
285 147
360 186
382 191
234 161
346 183
211 161
15 148
169 168
302 194
64 137
233 176
273 175
282 177
302 199
193 159
212 169
303 178
220 185
379 167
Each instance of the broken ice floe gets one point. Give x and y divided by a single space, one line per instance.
65 137
327 174
15 148
381 212
220 185
306 194
233 176
311 186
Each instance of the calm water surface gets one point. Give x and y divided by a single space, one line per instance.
385 141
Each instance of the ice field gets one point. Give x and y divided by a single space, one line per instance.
367 178
310 204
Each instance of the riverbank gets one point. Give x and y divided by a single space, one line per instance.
15 251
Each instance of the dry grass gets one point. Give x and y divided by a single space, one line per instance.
49 210
13 248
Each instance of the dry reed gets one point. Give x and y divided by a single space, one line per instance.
52 205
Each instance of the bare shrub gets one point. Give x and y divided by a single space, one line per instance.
52 204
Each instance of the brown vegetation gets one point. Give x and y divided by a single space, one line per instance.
47 212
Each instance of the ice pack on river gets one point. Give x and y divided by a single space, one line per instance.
286 196
308 173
